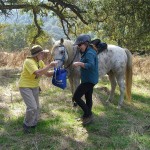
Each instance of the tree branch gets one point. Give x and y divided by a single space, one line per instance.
61 17
58 7
14 6
39 30
74 8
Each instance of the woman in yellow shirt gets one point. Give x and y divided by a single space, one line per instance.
33 69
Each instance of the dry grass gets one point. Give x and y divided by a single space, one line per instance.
17 58
11 63
141 66
14 59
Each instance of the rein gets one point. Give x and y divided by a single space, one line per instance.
72 60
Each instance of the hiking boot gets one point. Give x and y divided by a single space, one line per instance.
80 118
33 127
27 129
87 120
75 104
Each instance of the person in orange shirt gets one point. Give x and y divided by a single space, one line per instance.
33 69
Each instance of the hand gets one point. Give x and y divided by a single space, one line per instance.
76 64
53 63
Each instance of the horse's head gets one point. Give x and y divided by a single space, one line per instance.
59 52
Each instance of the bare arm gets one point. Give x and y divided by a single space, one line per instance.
44 71
49 73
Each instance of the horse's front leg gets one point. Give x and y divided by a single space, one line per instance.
120 81
74 80
113 86
71 84
72 89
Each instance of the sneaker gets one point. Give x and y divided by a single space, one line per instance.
87 120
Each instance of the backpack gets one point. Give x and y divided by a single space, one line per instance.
99 45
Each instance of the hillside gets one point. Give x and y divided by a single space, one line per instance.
51 24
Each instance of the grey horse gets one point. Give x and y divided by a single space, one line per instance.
114 61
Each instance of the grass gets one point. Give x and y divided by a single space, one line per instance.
58 129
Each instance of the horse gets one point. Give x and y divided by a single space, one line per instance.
114 61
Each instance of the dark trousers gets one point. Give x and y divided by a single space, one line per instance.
87 90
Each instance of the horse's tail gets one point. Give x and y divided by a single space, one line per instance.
128 77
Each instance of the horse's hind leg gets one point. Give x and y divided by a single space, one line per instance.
113 86
120 81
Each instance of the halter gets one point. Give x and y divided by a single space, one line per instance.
64 57
65 51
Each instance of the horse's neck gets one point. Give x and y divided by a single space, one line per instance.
73 56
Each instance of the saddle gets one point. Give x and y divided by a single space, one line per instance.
99 45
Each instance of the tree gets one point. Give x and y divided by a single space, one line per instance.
2 37
128 23
125 22
14 37
18 36
67 11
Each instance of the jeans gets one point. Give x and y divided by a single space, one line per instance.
87 90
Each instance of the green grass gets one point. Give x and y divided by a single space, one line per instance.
58 128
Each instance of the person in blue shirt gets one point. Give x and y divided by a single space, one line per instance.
89 76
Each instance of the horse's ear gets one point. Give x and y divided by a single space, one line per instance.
61 41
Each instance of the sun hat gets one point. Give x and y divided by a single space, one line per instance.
45 51
36 49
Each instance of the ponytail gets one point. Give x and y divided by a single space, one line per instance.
94 47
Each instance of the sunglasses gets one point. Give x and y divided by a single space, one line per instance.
80 44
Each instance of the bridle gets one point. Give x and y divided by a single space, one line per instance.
65 51
64 56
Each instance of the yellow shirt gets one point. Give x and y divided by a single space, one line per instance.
28 78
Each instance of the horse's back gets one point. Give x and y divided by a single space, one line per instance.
113 59
118 54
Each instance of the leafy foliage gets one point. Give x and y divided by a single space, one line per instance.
128 23
125 23
14 37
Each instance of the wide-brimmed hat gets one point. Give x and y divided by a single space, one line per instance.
36 49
